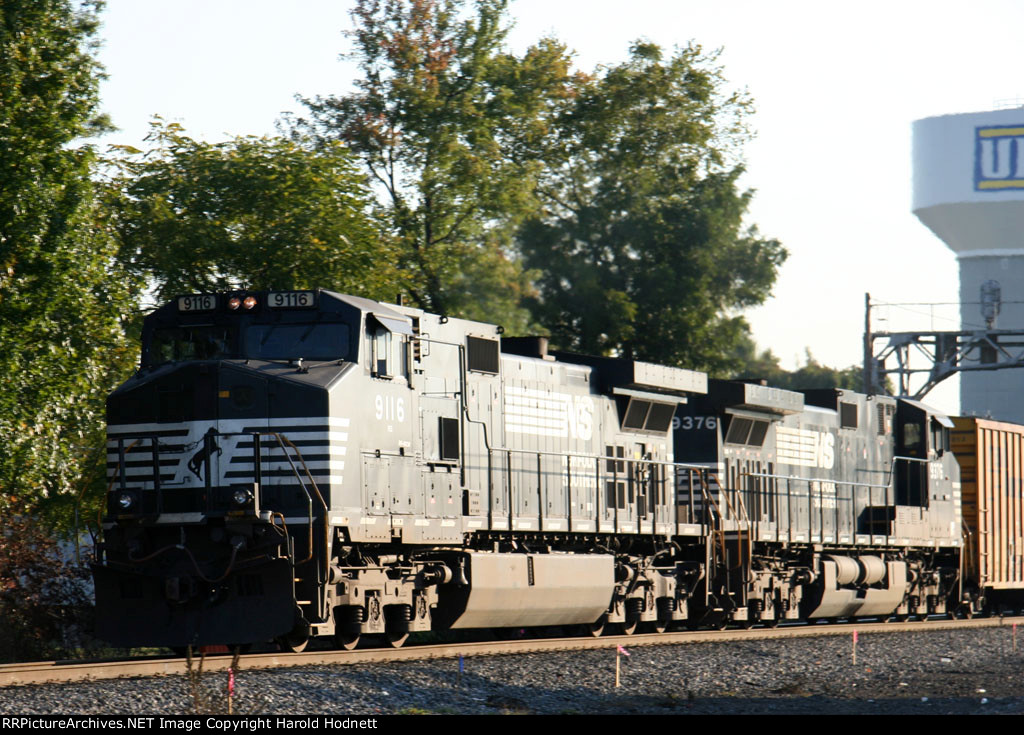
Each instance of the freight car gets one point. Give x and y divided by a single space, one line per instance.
991 458
289 465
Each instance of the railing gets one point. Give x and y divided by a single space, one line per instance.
260 455
816 489
653 492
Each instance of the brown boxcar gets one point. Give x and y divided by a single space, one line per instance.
991 457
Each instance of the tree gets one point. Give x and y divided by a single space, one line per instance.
640 245
448 125
764 365
267 213
61 296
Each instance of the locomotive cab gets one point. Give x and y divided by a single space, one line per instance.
926 476
922 440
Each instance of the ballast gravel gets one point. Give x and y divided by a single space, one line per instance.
934 672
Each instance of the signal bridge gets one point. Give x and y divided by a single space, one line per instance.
909 357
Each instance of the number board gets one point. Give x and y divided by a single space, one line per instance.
291 299
197 302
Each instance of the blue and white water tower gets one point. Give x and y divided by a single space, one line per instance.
968 188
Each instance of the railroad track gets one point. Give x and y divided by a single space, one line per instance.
44 672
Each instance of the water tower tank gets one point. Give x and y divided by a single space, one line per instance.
969 190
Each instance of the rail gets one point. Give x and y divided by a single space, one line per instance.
51 672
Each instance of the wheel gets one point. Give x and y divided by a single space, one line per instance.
596 629
746 624
296 640
396 626
293 642
773 623
661 625
346 641
629 627
348 625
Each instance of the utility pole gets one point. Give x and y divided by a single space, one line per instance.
868 382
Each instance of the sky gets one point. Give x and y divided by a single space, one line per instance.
836 89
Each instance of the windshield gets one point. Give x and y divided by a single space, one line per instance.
174 344
323 341
317 341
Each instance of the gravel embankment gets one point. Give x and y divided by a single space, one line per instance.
937 672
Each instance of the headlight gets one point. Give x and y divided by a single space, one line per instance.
126 500
241 497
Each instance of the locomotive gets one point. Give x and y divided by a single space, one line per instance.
295 464
826 503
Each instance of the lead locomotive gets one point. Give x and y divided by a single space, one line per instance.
294 464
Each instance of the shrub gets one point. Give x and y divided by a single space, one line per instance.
46 604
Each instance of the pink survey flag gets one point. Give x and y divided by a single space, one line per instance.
622 650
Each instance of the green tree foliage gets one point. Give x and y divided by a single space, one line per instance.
61 344
640 247
764 365
251 212
448 125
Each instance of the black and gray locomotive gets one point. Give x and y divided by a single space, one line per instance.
825 503
289 465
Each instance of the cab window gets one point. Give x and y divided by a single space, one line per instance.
317 341
912 438
940 437
383 361
176 344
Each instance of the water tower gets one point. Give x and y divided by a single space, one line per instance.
969 190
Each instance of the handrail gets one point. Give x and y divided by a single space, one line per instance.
581 455
792 492
700 469
840 482
258 458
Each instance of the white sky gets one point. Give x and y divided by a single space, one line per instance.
836 89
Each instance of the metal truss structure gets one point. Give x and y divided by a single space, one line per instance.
944 353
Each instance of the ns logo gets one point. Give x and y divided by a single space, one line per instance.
999 158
